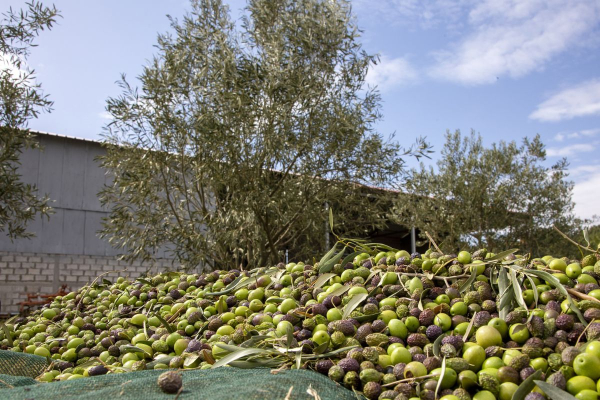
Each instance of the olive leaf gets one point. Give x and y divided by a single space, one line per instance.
468 331
586 236
322 280
328 255
517 288
253 340
367 318
161 360
441 378
237 355
229 347
144 281
349 257
340 291
505 299
501 255
535 290
167 326
133 349
328 265
7 335
553 392
330 353
256 363
321 348
353 303
553 281
290 340
274 299
190 360
469 281
437 345
221 305
526 386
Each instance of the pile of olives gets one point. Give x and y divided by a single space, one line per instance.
389 324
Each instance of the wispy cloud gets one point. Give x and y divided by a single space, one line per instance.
514 38
559 137
421 13
572 150
586 194
578 101
390 72
105 115
584 170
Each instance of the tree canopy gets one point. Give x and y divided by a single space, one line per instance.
498 197
240 138
21 99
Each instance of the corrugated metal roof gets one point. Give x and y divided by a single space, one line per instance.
65 136
391 190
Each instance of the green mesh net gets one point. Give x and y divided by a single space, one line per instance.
215 384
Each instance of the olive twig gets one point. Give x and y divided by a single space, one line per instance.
433 242
583 333
409 379
583 296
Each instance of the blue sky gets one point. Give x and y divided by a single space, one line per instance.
505 68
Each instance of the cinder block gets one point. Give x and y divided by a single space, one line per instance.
27 277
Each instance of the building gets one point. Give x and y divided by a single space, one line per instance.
66 249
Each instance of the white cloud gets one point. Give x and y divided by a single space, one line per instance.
576 135
578 101
423 13
105 115
586 195
514 38
391 72
568 151
580 170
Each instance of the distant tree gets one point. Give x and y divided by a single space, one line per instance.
21 99
499 197
238 141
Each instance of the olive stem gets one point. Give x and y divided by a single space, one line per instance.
433 242
572 241
439 278
410 379
583 296
582 333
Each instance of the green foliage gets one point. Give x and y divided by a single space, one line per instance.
21 99
238 141
497 197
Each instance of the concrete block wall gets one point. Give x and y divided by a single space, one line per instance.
44 273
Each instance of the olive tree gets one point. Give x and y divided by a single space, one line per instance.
241 136
498 197
21 99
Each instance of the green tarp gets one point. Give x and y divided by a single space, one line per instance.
17 371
